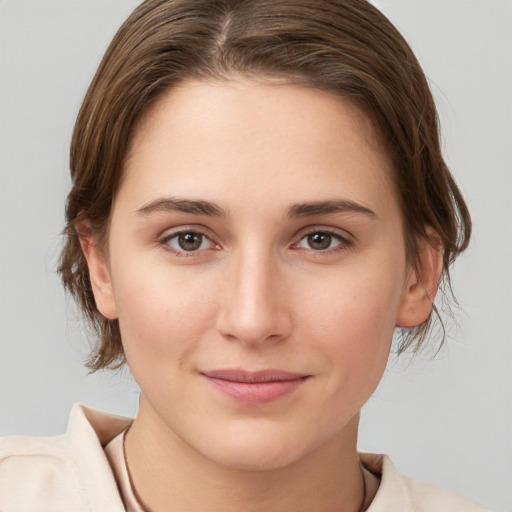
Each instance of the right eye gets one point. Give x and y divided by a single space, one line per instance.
187 242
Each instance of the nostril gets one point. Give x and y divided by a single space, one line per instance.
252 308
254 329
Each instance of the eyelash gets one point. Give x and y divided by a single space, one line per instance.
165 242
343 243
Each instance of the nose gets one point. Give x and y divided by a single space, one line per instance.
254 300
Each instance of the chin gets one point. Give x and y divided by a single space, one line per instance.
256 459
258 451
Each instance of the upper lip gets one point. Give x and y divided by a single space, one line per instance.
238 375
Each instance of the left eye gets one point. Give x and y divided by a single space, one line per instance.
188 241
320 241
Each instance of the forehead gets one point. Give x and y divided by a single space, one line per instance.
220 139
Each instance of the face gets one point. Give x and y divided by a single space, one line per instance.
257 267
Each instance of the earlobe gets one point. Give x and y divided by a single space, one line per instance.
99 275
421 284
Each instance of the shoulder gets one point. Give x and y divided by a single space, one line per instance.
398 492
65 472
31 469
428 497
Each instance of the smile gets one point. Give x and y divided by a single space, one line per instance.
254 387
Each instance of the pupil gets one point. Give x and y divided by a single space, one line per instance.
190 241
319 241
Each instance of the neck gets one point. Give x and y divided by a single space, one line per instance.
168 474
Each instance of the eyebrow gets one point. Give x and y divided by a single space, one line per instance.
200 207
172 204
326 207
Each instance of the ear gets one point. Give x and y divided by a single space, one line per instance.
422 283
99 275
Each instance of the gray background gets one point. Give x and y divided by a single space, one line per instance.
447 420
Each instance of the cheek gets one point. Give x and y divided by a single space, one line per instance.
162 314
353 320
357 304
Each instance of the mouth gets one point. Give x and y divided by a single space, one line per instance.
254 387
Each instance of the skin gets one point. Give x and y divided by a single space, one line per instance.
259 292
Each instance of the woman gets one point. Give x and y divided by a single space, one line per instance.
259 200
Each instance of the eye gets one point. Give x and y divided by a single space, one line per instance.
322 241
188 242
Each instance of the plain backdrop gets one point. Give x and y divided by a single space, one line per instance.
447 420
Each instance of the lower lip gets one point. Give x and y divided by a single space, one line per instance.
256 392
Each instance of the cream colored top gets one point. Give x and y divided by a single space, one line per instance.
73 473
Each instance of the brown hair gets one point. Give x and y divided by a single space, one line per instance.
346 47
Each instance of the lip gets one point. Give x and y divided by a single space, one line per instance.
254 387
